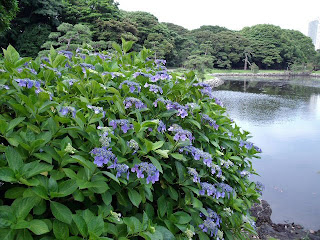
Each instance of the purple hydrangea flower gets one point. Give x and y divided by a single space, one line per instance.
97 110
102 156
65 110
32 71
244 173
124 124
180 134
85 66
257 149
72 81
147 75
133 86
161 127
211 223
198 154
182 110
130 101
259 187
205 118
225 188
133 145
2 86
153 88
152 174
113 74
120 168
67 54
163 75
195 174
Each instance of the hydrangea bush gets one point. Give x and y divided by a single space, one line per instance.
113 146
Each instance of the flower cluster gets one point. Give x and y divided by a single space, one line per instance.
65 110
211 224
87 66
195 175
216 191
97 110
147 75
124 124
69 149
206 119
198 154
67 54
71 81
113 74
104 139
130 101
208 91
55 70
2 86
146 168
259 187
133 145
162 75
133 86
153 88
26 82
102 156
161 127
180 134
182 110
120 168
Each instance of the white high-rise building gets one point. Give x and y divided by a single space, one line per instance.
314 33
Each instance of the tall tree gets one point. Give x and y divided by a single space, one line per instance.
8 10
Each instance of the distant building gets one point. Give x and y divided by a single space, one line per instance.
314 33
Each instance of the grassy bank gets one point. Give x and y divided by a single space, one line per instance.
206 75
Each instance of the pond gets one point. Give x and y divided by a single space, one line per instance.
283 117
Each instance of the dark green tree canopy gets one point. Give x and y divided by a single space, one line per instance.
8 10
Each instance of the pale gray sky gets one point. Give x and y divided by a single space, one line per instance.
232 14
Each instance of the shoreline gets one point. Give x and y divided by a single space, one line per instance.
266 229
285 74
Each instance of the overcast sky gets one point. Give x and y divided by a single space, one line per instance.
232 14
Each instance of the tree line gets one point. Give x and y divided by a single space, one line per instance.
65 24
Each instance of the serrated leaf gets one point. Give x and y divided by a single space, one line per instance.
61 212
134 197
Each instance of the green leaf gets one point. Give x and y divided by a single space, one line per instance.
34 168
113 177
162 206
117 47
163 153
14 159
134 197
7 175
173 193
24 235
14 123
23 206
182 217
38 227
61 212
167 235
157 145
81 224
156 163
60 230
7 234
67 187
3 126
178 156
133 225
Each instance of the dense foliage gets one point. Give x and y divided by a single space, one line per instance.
101 146
205 47
8 10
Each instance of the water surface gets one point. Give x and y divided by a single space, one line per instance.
283 117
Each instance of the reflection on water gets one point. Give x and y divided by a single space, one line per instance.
284 120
